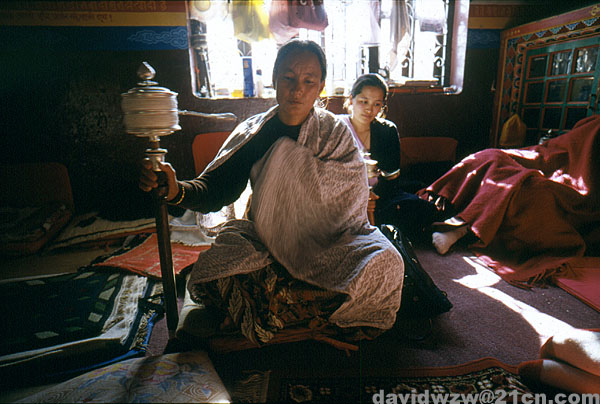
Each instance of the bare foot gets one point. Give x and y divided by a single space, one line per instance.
443 241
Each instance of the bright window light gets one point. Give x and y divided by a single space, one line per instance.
359 36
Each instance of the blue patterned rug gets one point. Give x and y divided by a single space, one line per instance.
60 325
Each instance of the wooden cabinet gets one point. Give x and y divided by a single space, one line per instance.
548 73
560 86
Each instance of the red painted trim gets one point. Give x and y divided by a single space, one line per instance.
99 6
551 22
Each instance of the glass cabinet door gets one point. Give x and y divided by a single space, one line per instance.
560 86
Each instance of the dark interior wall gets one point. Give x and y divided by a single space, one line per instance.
65 107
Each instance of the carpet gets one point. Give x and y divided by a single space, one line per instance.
59 325
381 385
144 259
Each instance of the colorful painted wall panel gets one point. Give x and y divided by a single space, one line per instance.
513 42
94 25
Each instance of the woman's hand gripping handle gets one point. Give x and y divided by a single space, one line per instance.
164 181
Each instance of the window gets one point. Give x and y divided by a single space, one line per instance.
415 43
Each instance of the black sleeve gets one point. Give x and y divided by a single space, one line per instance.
211 191
222 186
385 145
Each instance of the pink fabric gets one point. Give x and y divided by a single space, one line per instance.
586 284
279 22
533 209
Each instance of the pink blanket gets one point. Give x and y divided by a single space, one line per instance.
532 209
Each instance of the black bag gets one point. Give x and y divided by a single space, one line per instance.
421 298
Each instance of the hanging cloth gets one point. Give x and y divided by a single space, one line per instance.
309 14
366 34
250 21
400 32
431 16
279 22
286 17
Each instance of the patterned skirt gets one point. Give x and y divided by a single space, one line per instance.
261 303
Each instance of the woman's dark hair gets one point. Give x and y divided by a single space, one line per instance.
300 45
369 80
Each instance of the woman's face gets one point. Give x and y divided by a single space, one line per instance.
298 86
367 105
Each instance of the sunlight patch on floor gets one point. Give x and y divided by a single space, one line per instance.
484 280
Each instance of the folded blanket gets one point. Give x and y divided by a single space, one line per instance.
569 361
580 348
308 212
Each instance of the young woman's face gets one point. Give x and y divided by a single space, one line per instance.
367 105
298 86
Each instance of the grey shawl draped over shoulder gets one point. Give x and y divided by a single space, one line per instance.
308 211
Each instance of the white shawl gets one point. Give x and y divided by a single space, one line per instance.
308 212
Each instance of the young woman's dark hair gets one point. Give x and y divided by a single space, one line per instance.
371 80
299 45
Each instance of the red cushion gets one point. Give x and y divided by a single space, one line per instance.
205 147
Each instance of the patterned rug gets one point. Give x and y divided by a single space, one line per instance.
56 325
91 230
484 376
144 259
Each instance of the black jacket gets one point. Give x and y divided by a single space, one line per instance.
385 149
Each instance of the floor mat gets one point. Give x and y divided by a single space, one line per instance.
586 284
484 376
144 259
57 325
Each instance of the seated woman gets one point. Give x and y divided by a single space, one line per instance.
307 253
378 140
